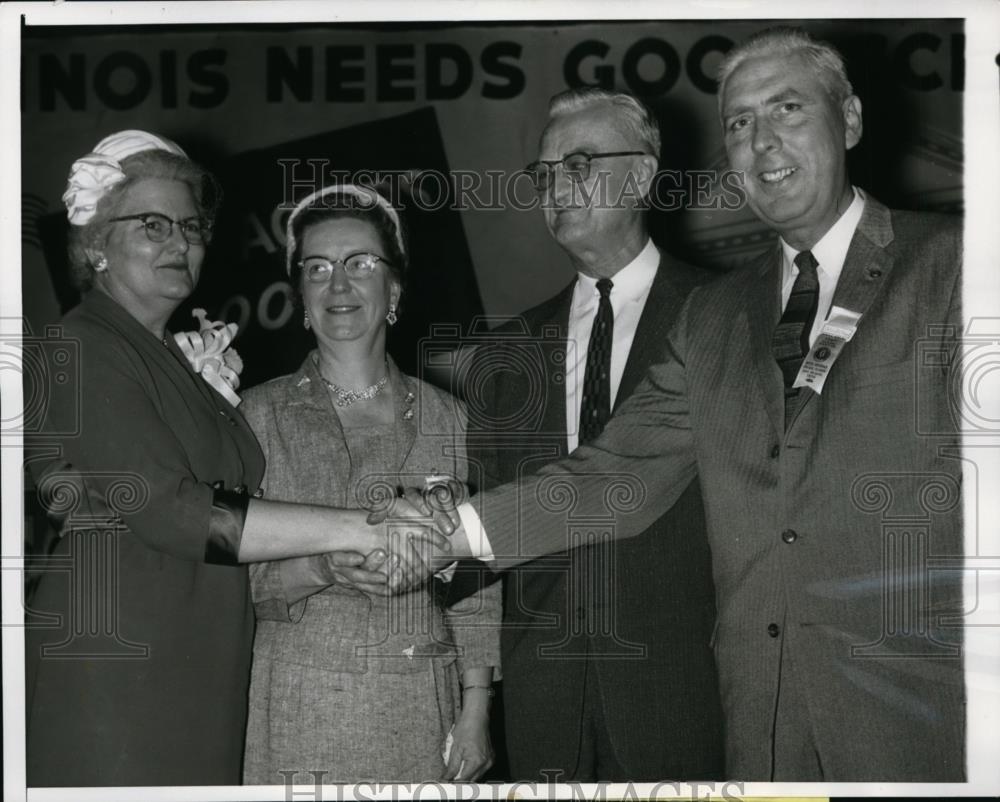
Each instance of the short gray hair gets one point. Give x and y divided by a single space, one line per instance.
785 40
635 115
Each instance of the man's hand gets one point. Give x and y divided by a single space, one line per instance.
440 501
414 535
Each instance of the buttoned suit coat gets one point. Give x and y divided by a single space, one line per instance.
821 533
636 616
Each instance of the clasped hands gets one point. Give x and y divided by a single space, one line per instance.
418 535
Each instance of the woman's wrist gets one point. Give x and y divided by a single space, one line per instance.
363 537
475 709
476 697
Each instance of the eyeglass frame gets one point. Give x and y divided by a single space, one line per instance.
551 164
206 226
375 260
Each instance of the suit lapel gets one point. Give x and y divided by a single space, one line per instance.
663 304
554 417
867 266
316 397
866 270
317 427
405 412
761 314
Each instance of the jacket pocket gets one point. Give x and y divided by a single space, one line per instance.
331 635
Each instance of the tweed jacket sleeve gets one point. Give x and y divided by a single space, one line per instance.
266 586
474 619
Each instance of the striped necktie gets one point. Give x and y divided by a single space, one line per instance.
790 342
595 408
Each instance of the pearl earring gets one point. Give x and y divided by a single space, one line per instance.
102 264
306 322
391 315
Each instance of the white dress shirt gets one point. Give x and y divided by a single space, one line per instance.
628 297
629 292
830 253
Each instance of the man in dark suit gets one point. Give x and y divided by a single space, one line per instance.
810 391
600 682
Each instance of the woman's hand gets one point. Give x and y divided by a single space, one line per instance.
471 751
365 573
412 556
301 577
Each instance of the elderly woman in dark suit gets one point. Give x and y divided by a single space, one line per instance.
347 680
143 680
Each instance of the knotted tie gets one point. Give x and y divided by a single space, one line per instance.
790 342
595 408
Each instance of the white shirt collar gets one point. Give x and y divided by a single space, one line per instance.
631 282
831 251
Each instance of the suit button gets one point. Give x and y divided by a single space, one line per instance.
789 536
775 451
773 630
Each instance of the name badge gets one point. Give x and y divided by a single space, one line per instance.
837 331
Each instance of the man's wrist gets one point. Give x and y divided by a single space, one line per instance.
367 535
476 543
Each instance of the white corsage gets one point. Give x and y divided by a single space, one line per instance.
209 353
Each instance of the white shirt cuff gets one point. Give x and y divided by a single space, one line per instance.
447 573
479 544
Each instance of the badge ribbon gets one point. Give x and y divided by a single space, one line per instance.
837 331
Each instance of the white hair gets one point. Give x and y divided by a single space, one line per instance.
636 117
785 40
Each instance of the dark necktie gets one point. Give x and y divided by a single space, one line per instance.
790 342
595 408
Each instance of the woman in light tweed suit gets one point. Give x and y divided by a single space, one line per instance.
349 682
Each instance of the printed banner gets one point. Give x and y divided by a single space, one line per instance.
459 107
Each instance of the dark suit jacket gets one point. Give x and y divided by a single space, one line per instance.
636 615
819 534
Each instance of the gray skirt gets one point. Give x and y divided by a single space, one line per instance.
346 695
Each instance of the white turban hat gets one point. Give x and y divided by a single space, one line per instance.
93 175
